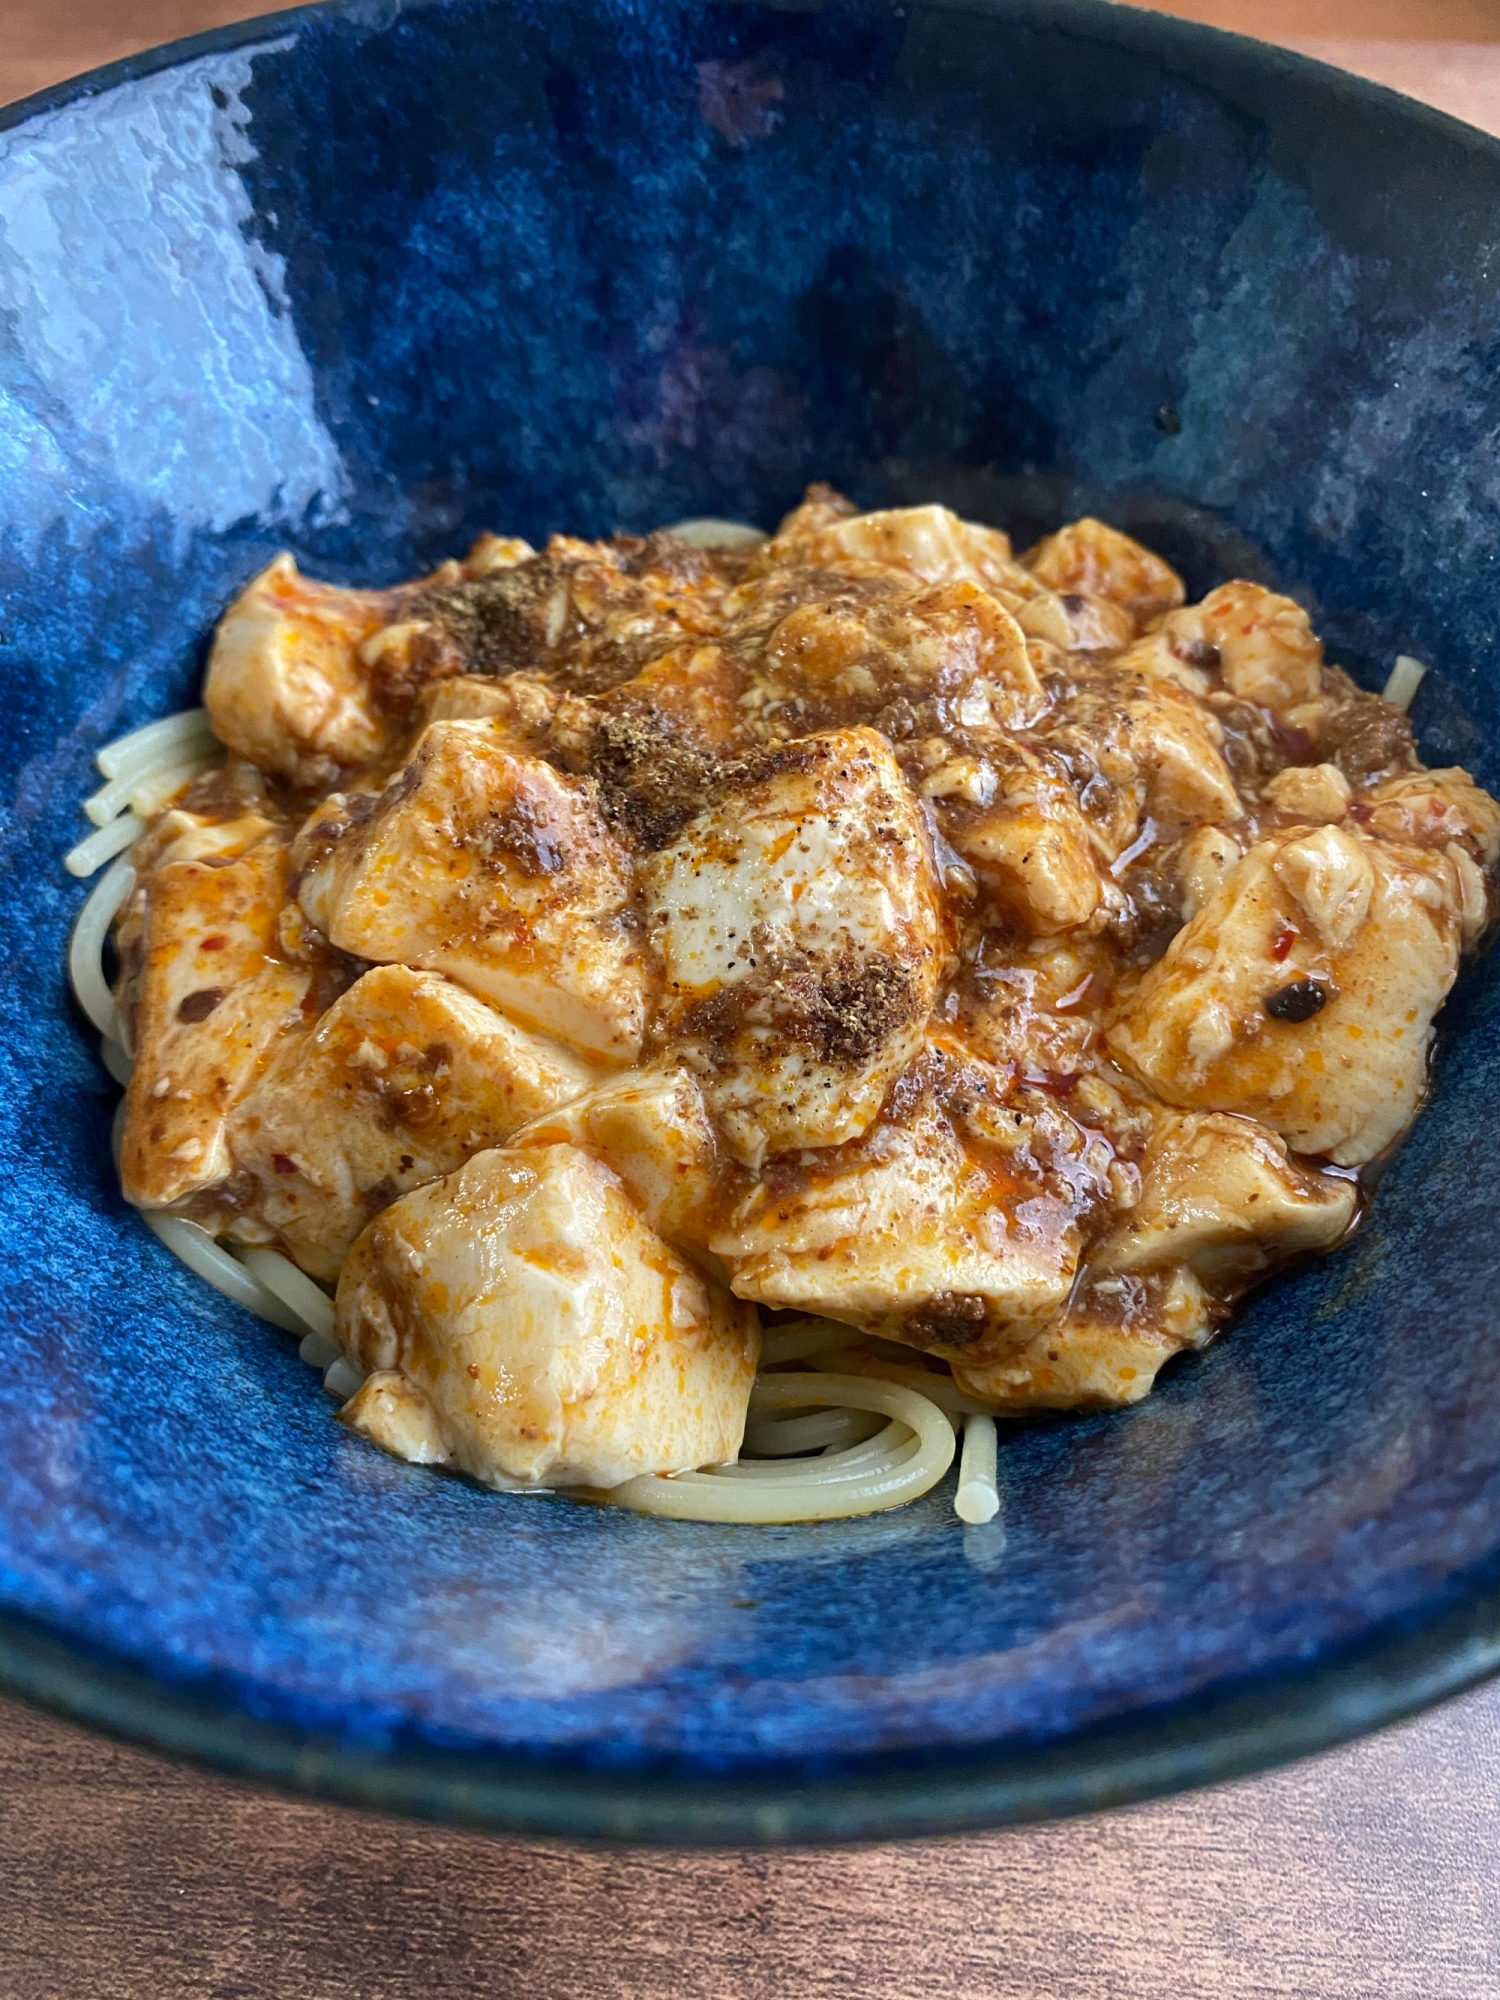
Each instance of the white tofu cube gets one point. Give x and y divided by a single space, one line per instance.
799 926
558 1339
651 1128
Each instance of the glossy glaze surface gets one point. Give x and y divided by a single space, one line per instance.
361 282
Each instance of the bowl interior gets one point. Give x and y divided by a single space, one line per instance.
365 280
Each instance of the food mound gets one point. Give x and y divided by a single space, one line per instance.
977 969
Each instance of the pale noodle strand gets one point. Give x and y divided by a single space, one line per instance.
100 845
203 1254
1406 677
164 742
86 947
115 1061
889 1480
941 1389
843 1347
141 782
802 1338
152 792
313 1308
707 531
978 1496
293 1287
110 800
892 1444
319 1353
341 1379
770 1437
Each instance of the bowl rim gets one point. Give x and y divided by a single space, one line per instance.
1179 1747
1390 1673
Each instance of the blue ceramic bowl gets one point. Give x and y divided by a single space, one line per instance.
363 280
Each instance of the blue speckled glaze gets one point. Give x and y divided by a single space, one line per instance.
363 280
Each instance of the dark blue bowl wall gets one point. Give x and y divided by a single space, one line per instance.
364 282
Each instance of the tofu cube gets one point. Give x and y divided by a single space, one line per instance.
1139 747
1262 643
845 650
933 545
1104 1350
801 936
488 865
932 542
397 1084
651 1128
1437 809
557 1338
1302 993
1092 559
1032 850
212 1000
1221 1195
286 687
394 1413
910 1234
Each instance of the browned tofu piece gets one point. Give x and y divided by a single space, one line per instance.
1031 848
655 744
399 1082
286 686
554 1334
213 1000
932 545
1222 1195
1303 991
1104 1351
520 708
1436 809
691 693
1221 1203
856 648
1139 747
1088 557
586 614
953 1225
496 869
953 649
496 552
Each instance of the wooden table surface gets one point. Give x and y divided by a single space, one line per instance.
1368 1874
